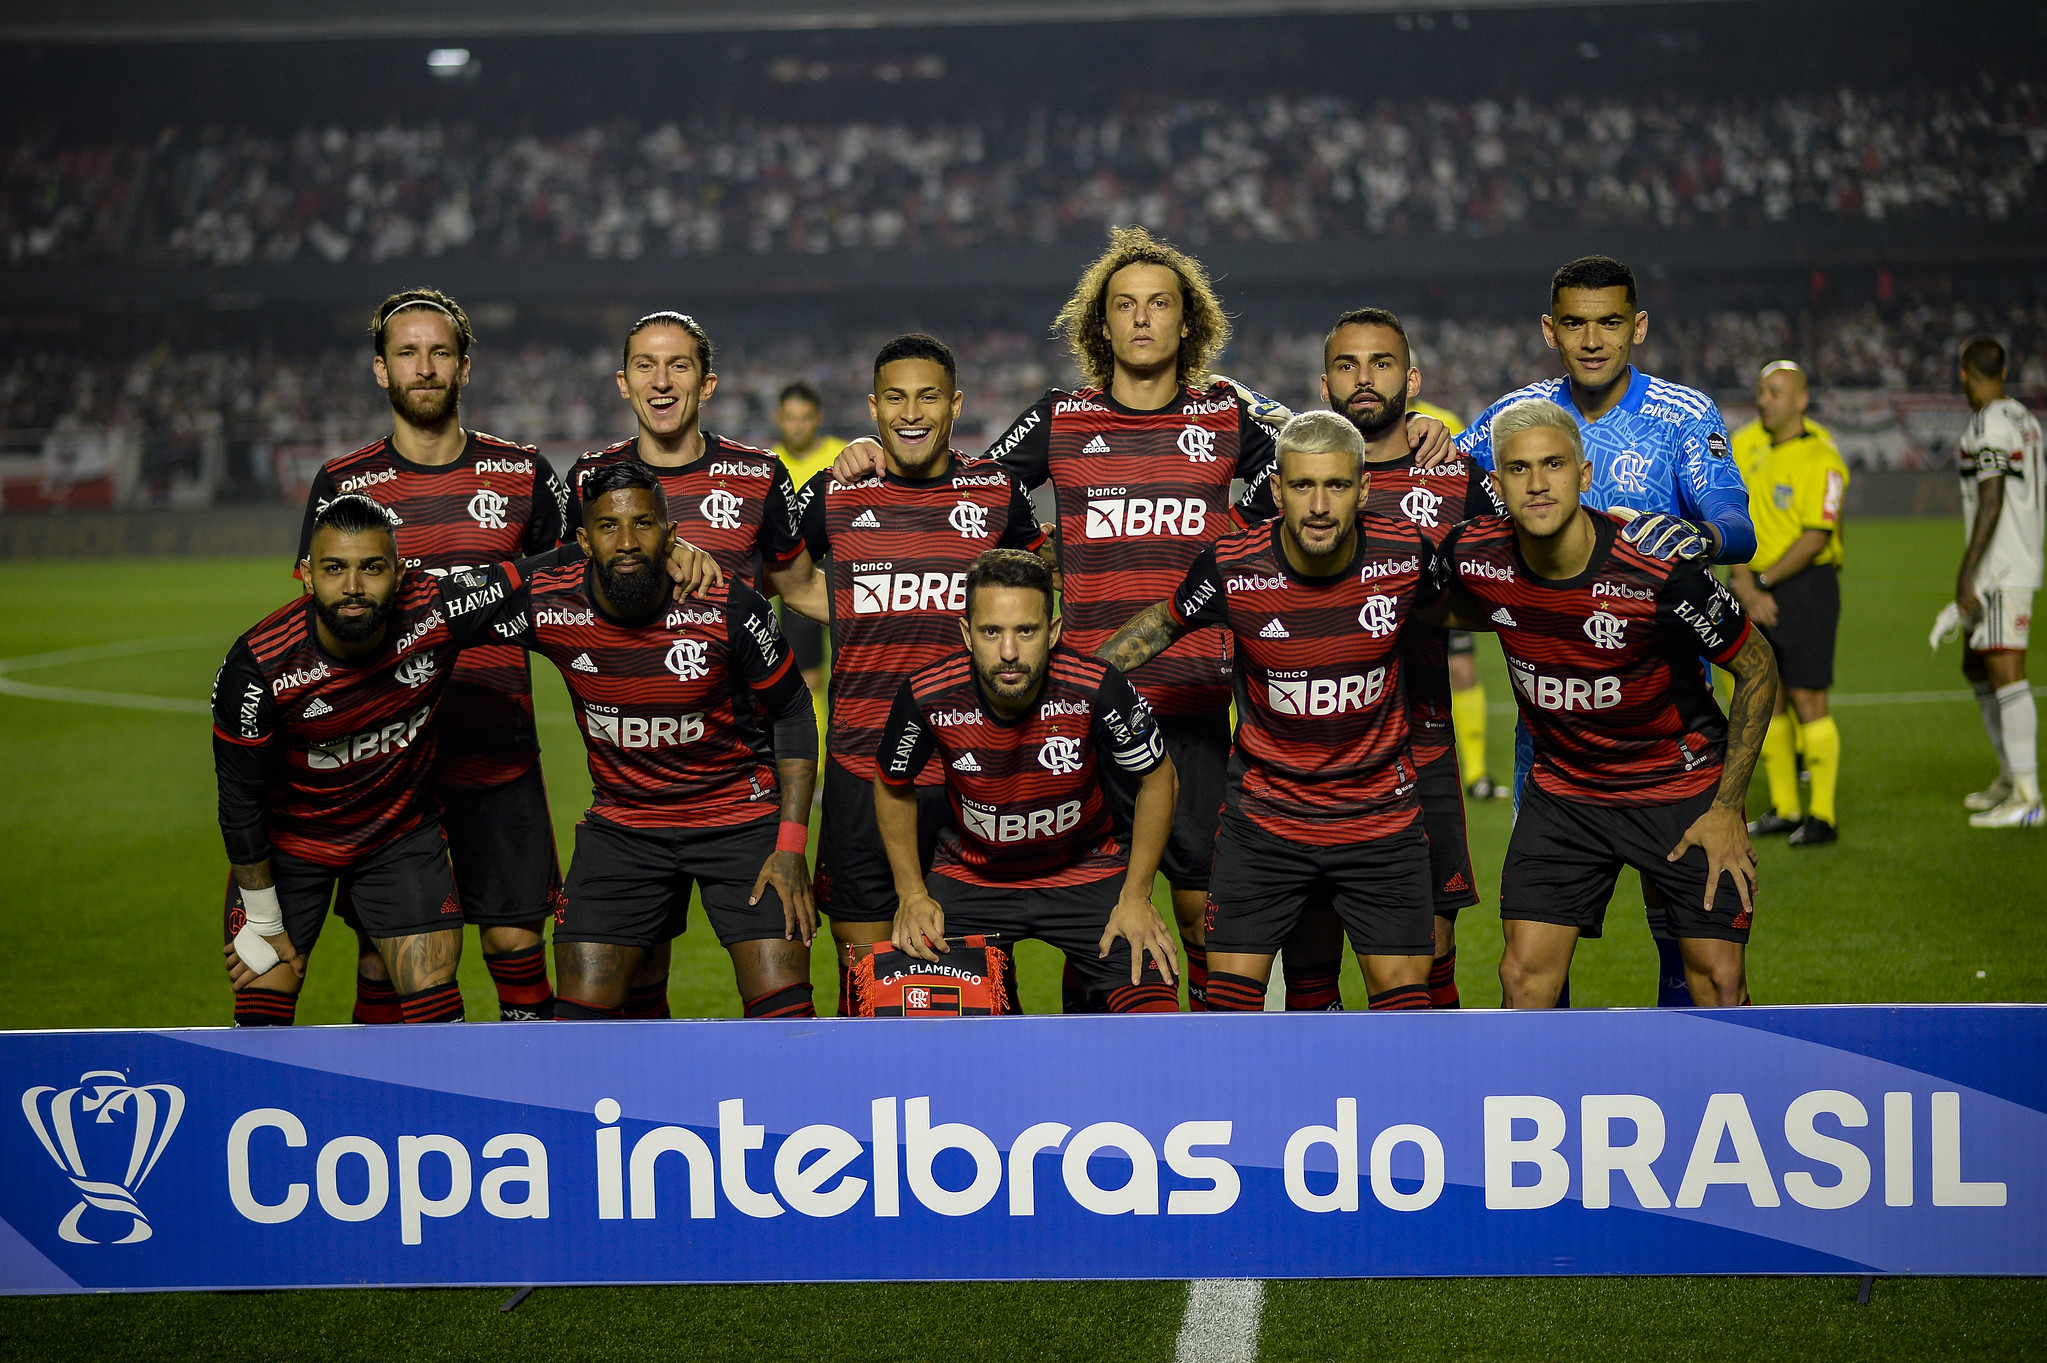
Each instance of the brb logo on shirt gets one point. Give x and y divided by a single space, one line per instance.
1568 693
688 659
636 731
989 826
880 593
721 510
1325 695
1111 515
970 519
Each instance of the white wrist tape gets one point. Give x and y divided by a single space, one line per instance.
262 917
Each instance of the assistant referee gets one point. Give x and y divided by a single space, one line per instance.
1796 480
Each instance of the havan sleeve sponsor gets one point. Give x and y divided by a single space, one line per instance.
244 722
907 742
1697 607
1124 726
1025 449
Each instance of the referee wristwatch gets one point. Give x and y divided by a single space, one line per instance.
1762 581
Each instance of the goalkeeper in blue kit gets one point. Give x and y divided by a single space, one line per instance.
1657 449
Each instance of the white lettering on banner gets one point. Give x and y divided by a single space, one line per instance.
735 1138
921 1143
1139 1195
1727 1118
1600 1159
1111 518
1504 1153
802 1186
1805 1139
415 1207
1383 1187
1343 1138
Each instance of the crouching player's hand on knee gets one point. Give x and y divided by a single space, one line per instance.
790 875
919 928
1137 921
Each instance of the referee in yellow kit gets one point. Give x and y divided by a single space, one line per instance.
1792 589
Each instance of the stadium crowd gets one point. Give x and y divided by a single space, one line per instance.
1274 168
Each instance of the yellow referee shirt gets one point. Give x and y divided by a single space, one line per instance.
1442 414
1792 488
820 457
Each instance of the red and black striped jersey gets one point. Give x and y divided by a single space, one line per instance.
1433 500
1605 665
1139 494
1027 802
1322 741
899 550
497 502
673 743
329 759
733 501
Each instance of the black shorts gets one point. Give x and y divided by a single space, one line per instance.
1462 643
806 639
1808 616
1565 858
1379 890
402 889
854 882
1200 748
630 887
1068 917
1451 881
501 841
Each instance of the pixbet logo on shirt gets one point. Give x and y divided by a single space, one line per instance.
1113 516
878 593
1325 695
989 826
643 731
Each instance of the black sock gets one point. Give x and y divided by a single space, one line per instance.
441 1003
574 1010
1401 998
648 1000
1227 993
265 1008
521 979
790 1001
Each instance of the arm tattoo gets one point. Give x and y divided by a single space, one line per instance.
1755 696
254 875
1147 635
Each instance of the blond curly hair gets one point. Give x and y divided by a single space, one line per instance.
1084 319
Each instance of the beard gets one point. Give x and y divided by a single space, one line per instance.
1002 690
633 595
353 631
425 406
1373 424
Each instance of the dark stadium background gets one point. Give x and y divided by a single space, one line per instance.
199 207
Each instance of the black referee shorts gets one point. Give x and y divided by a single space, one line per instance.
1808 616
501 841
1451 882
1565 858
1200 748
401 889
630 887
1379 889
1068 917
854 883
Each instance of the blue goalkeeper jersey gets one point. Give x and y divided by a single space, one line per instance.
1662 448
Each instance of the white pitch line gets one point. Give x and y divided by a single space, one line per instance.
1220 1324
91 653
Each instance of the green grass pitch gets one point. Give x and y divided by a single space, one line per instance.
111 871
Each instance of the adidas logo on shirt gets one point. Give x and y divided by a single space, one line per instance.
583 663
1095 446
1503 616
318 707
966 762
1274 630
867 520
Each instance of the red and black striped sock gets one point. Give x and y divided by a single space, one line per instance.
376 1002
265 1008
441 1003
1152 997
524 994
1311 986
1228 993
1402 998
646 1001
790 1001
1197 978
575 1010
1443 981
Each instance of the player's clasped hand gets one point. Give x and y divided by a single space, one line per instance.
693 571
919 928
242 975
1723 833
1670 538
790 875
1138 922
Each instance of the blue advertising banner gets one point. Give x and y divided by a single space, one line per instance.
1764 1140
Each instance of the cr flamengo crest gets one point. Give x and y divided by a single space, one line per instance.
970 519
488 509
721 509
100 1096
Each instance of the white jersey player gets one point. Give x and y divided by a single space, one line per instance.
2004 505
